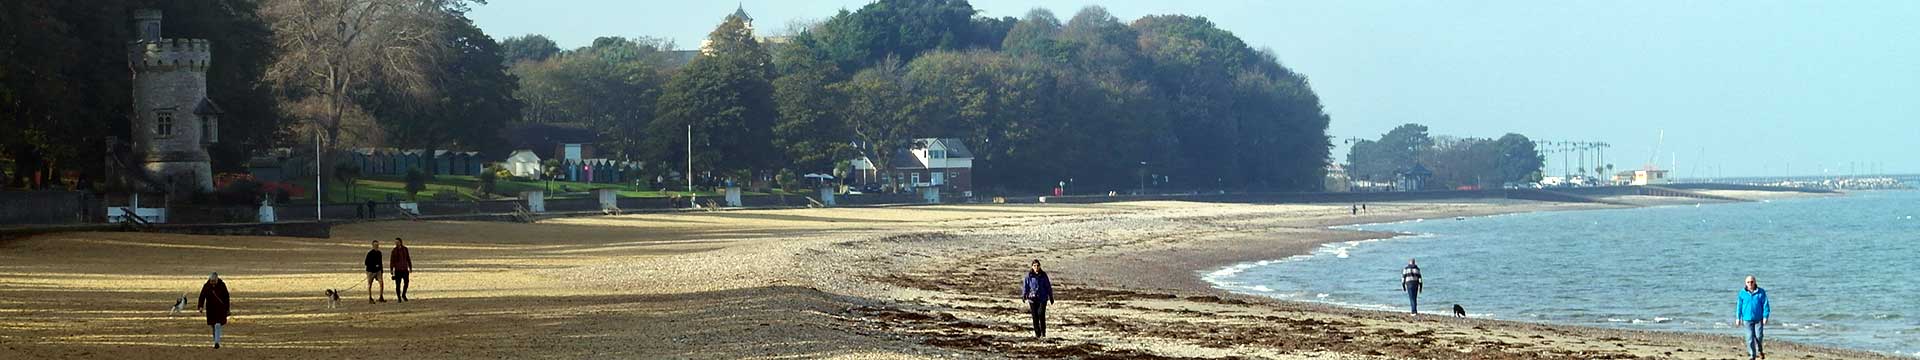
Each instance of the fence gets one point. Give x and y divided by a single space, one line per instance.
49 207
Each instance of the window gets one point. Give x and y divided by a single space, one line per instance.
206 129
937 154
916 179
163 123
936 179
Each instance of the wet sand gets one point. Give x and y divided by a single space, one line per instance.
855 283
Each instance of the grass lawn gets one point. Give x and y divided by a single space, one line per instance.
378 188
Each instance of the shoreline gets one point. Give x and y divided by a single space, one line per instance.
1121 289
921 282
1223 289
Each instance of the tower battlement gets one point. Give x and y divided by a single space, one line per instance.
170 54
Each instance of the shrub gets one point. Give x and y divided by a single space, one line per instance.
241 192
488 180
416 182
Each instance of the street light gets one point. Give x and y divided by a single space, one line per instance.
1143 179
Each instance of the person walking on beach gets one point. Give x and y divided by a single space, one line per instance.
1410 282
1755 309
215 303
1037 290
402 265
373 273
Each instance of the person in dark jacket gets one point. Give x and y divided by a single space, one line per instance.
215 303
1037 290
1411 283
373 273
402 265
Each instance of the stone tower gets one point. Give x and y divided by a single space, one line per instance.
173 120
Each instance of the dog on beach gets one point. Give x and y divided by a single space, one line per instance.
333 298
1459 311
179 304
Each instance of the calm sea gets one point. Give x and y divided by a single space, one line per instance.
1842 271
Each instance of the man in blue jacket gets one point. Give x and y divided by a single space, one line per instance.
1754 311
1037 290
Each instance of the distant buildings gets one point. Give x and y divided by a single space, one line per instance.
1337 179
706 45
943 163
1413 179
1642 177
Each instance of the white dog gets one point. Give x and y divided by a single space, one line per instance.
179 304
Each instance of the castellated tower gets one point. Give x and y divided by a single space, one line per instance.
173 120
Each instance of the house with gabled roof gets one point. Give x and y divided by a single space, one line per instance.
943 163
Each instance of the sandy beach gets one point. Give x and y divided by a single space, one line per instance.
918 282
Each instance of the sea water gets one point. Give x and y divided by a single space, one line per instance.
1841 271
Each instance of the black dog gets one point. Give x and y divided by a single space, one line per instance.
1459 311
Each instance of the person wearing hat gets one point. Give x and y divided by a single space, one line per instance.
402 264
214 301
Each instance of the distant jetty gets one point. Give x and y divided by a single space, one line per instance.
1862 183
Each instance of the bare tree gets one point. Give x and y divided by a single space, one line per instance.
334 50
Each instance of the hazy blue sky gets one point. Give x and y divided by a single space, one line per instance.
1740 87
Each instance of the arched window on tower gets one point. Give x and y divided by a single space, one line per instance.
163 123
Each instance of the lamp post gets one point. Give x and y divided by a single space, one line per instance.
695 197
1143 179
319 187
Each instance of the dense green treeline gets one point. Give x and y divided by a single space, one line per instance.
1095 99
1454 161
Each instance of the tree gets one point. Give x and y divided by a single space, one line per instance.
877 111
1520 159
532 47
349 172
1234 111
1394 152
416 182
611 87
334 50
488 180
1033 35
726 97
903 29
1458 162
472 98
809 131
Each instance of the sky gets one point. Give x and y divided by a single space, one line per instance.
1703 88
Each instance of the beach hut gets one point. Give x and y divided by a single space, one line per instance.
523 163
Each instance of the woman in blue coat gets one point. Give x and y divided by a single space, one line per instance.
1037 291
